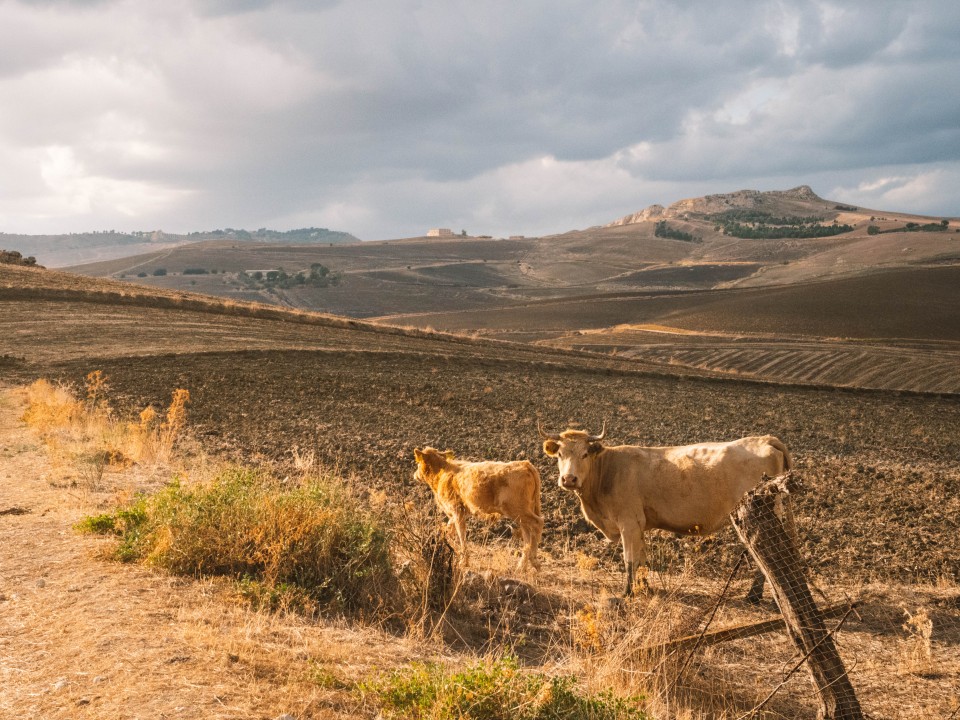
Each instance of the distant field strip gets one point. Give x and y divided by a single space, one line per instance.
866 367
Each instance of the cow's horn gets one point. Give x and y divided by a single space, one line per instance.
603 431
546 435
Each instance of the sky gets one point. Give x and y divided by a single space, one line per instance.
385 118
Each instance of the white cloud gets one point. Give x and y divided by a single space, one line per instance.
74 190
919 190
382 118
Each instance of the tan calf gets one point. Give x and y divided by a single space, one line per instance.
511 489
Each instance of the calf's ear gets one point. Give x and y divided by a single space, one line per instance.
449 454
418 454
551 447
594 448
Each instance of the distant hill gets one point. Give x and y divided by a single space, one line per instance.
77 248
746 238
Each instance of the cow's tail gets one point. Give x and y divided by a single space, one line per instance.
778 445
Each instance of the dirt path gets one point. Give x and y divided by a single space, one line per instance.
84 637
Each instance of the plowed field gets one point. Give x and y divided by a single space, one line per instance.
882 470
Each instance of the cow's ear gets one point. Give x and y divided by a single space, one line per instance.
551 447
449 454
418 455
594 447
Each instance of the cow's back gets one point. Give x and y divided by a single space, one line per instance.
692 488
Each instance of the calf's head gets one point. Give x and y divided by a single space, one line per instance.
575 452
429 462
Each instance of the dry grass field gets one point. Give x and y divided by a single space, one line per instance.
86 637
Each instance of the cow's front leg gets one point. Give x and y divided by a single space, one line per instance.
634 555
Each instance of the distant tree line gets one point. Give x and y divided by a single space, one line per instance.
748 215
298 236
665 231
756 224
317 276
942 226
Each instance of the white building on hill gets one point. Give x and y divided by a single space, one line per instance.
439 232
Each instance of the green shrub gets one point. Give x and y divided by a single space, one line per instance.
98 524
661 229
286 545
492 690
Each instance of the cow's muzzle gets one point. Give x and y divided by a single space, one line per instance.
569 482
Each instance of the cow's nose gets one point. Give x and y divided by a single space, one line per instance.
569 480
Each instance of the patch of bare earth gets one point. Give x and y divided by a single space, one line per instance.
85 637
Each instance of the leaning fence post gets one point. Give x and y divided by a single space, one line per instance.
761 522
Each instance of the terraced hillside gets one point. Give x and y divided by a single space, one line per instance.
48 316
897 330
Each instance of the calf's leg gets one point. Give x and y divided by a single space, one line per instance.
459 522
531 530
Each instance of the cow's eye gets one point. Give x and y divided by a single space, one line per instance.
585 456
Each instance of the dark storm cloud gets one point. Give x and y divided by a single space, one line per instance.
393 116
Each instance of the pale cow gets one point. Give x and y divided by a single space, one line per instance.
510 489
626 490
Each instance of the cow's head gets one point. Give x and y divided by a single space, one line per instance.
575 452
429 461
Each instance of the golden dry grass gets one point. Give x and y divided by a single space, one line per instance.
85 439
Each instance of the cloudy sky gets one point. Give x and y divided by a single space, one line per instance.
386 117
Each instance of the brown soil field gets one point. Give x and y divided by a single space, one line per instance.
873 462
915 304
878 519
894 330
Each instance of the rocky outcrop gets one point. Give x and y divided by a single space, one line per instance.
654 212
709 204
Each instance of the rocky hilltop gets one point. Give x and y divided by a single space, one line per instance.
797 199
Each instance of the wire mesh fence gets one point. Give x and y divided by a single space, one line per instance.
701 648
696 646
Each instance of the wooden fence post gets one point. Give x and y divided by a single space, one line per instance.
761 522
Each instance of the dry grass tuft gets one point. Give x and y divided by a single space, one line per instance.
917 652
85 436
